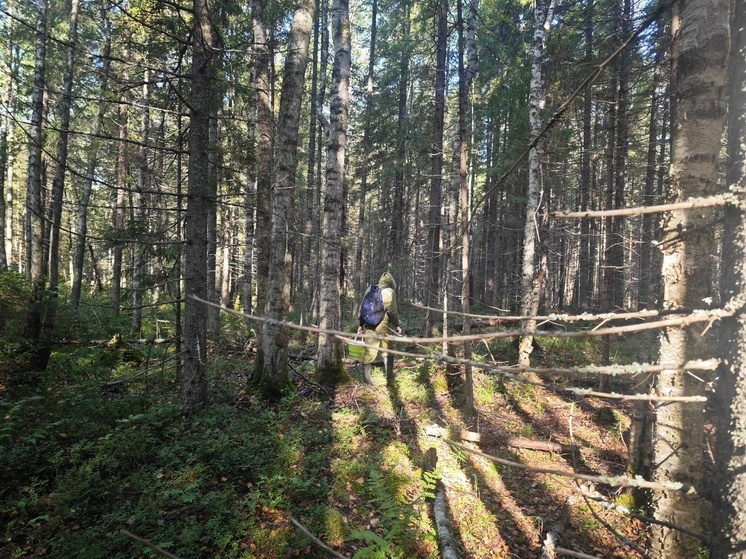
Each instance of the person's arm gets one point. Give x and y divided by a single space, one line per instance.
393 312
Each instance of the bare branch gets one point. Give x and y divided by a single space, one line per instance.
316 540
613 481
693 203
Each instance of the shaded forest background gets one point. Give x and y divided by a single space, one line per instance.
516 166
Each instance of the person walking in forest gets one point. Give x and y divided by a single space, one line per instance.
379 314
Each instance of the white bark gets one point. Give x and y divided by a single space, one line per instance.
530 276
687 245
329 350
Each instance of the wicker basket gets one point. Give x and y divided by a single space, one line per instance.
356 349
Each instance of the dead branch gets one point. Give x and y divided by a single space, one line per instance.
595 496
151 545
613 481
629 543
692 203
146 341
494 320
571 553
147 373
515 442
553 534
695 317
316 540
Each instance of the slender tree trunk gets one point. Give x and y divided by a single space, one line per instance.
91 165
308 241
729 508
329 366
213 314
467 44
616 250
265 138
272 363
687 248
584 268
143 174
195 285
642 415
397 220
58 190
366 149
34 226
120 202
436 168
531 278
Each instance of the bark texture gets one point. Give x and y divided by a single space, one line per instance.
195 285
329 366
687 248
531 277
272 364
729 522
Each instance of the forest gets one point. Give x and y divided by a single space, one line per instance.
195 195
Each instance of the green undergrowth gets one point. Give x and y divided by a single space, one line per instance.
79 463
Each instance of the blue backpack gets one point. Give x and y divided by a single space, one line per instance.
372 310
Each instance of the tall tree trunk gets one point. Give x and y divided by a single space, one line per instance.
397 221
616 250
265 138
195 285
366 149
140 222
58 190
213 170
120 200
531 278
687 248
329 366
642 415
34 226
308 240
436 167
467 45
729 507
90 171
584 260
272 362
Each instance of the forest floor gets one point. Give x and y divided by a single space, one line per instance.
90 467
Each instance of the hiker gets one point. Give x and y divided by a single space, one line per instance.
388 324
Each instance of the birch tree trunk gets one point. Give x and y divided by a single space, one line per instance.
195 283
530 276
330 369
34 224
687 248
729 507
272 361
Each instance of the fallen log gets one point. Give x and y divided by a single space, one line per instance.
506 440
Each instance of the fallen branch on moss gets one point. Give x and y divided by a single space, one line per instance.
147 543
316 540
